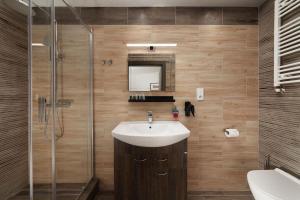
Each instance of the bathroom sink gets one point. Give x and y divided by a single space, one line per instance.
156 134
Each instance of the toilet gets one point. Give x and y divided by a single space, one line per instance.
273 185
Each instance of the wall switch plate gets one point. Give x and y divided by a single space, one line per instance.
200 94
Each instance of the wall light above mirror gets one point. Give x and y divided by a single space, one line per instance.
151 72
151 44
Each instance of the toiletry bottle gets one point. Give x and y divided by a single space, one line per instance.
175 112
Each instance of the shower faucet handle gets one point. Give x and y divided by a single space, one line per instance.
42 114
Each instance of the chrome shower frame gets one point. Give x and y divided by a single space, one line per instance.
53 95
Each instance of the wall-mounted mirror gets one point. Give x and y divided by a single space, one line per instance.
151 72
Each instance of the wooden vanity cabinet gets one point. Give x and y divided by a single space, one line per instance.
147 173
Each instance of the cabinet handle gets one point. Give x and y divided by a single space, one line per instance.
162 160
140 160
162 174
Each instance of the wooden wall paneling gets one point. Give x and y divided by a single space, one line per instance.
72 150
13 102
279 114
206 56
223 60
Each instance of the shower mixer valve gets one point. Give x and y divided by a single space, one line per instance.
60 103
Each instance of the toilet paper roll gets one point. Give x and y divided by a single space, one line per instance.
232 132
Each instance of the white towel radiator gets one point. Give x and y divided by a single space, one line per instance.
286 43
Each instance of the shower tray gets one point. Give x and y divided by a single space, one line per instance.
64 191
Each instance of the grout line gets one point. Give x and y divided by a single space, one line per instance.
127 16
175 10
222 14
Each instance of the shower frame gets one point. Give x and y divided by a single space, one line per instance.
53 95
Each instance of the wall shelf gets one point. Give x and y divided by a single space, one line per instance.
153 99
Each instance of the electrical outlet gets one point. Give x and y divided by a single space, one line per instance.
200 94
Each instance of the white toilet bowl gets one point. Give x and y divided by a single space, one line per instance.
273 185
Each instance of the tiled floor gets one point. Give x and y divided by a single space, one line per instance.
199 196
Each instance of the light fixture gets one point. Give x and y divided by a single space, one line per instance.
25 3
38 45
151 45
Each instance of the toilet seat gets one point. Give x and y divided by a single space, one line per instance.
273 185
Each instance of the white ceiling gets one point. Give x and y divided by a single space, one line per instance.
158 3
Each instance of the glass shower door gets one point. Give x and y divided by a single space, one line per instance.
61 73
41 103
73 101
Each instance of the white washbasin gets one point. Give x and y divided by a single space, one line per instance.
156 134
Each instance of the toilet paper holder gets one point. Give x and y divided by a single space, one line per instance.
231 132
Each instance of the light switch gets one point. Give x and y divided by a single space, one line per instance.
200 94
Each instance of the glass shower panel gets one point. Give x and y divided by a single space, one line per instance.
61 102
42 124
73 144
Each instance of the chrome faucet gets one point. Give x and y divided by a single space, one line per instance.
150 117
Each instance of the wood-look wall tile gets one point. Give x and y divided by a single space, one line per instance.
151 16
13 102
72 147
279 114
104 15
198 16
240 108
239 16
266 7
204 57
252 86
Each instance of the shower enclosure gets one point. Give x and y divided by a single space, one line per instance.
60 102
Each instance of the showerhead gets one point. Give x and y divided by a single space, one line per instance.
21 6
